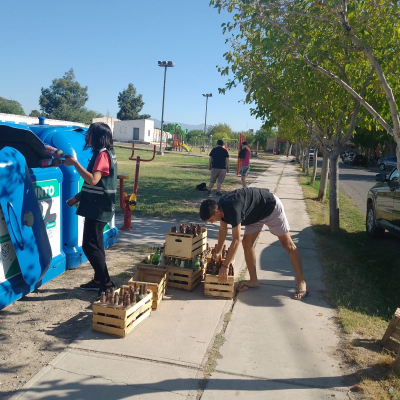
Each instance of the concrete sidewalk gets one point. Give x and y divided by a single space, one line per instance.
275 348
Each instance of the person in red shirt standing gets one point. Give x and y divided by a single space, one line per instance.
245 165
97 200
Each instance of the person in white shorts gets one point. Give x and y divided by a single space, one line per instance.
253 208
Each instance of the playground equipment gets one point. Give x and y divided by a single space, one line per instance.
128 203
175 143
186 147
40 236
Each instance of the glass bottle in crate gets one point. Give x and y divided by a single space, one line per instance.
196 263
161 260
156 258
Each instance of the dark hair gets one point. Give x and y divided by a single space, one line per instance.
245 143
101 137
220 142
207 209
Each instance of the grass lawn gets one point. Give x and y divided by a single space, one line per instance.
363 277
167 185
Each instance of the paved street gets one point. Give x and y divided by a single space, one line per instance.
355 182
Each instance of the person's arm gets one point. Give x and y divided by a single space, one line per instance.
223 231
233 248
91 179
209 162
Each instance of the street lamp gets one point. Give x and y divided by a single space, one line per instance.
207 95
165 64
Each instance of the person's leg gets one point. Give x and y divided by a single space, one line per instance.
250 257
93 247
295 258
279 226
213 178
221 178
243 179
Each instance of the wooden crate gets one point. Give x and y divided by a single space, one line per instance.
184 278
156 279
391 337
180 245
119 320
214 289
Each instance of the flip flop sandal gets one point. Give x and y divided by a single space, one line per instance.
248 287
307 293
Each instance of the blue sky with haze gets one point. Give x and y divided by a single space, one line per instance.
112 43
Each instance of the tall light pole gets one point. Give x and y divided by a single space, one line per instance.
207 95
164 64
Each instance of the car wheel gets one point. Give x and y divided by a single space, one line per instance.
373 231
382 167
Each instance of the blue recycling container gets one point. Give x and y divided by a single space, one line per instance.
71 139
40 235
31 251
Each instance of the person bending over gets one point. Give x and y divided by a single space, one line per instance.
253 208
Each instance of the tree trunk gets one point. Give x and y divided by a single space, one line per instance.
307 157
314 171
297 152
324 178
334 192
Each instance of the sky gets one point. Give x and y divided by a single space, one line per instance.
110 44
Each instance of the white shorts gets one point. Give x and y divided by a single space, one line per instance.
277 222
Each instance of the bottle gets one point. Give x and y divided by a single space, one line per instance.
173 229
107 295
161 260
122 291
128 300
156 258
103 297
145 290
182 264
177 262
52 162
140 297
53 151
74 201
197 263
116 299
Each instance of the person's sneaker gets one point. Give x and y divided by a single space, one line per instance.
104 288
218 194
91 285
209 192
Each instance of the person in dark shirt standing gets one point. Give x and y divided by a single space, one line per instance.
218 165
252 208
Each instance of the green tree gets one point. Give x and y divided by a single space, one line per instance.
35 113
130 104
65 91
263 134
168 127
195 137
10 107
219 132
82 115
337 40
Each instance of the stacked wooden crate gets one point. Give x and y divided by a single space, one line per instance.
119 320
185 247
212 288
156 279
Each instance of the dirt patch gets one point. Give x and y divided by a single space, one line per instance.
35 329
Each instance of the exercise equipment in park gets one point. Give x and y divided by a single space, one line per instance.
128 202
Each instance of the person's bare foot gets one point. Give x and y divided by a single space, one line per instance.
243 286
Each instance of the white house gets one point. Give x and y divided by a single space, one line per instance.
107 120
141 130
